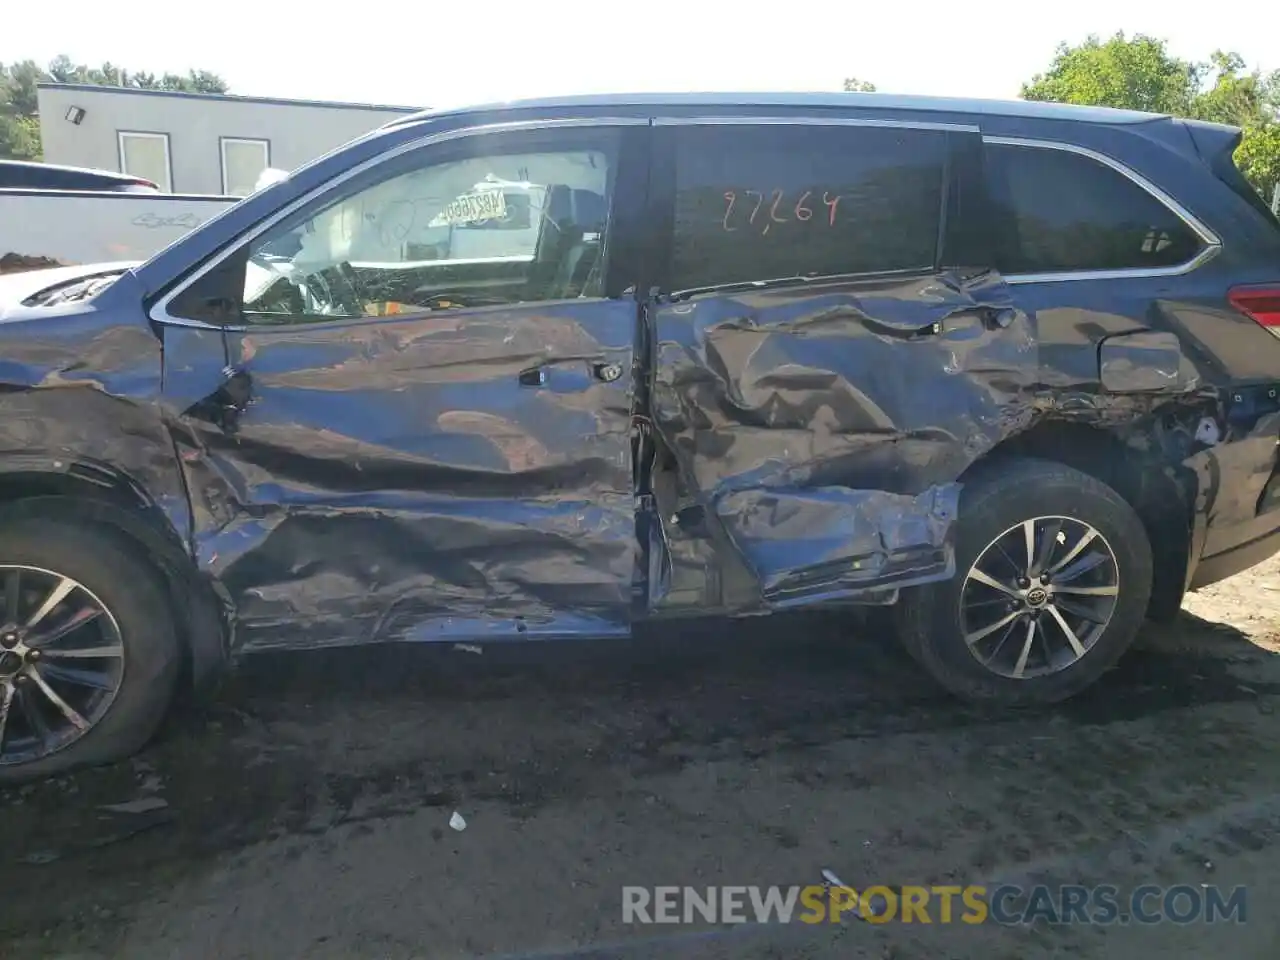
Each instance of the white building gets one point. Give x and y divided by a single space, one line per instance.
194 143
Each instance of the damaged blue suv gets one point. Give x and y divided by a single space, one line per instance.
553 368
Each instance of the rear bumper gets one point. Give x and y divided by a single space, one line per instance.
1241 487
1237 559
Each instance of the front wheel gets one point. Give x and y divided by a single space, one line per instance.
88 652
1053 575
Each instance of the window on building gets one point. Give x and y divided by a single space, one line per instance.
243 161
146 155
1061 211
777 201
486 223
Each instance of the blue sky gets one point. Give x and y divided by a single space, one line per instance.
450 53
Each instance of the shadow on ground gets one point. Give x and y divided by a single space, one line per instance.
299 744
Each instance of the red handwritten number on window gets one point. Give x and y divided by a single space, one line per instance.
803 209
832 203
773 211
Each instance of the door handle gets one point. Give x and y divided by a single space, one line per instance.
537 377
608 372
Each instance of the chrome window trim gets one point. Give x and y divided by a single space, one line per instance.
1212 242
160 313
815 121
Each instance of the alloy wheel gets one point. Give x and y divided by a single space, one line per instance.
61 662
1038 597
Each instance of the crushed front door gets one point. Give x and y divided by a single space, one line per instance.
409 443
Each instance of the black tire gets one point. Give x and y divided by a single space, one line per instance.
111 569
997 497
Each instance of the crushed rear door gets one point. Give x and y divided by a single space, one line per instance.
836 349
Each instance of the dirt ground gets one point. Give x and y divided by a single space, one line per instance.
306 813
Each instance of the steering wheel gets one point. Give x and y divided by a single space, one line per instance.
337 287
354 291
448 299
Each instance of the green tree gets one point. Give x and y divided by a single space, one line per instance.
19 86
1259 158
202 81
854 85
19 115
19 138
1139 73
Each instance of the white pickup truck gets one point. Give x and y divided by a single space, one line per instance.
99 223
62 245
54 228
54 216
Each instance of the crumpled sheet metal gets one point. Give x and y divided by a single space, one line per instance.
399 481
1232 479
79 391
825 427
851 538
1148 361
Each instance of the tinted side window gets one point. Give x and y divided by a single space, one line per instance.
1061 211
38 177
775 201
484 222
16 175
54 179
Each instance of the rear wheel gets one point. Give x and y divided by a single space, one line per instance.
1053 575
88 652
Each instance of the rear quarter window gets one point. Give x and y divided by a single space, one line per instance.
16 177
771 202
1059 211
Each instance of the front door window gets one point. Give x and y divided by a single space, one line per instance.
493 229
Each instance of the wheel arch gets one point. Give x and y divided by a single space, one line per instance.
96 495
1160 503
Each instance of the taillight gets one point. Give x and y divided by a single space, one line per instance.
1261 304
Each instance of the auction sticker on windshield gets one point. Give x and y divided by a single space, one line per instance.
470 207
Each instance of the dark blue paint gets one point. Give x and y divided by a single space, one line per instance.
392 478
